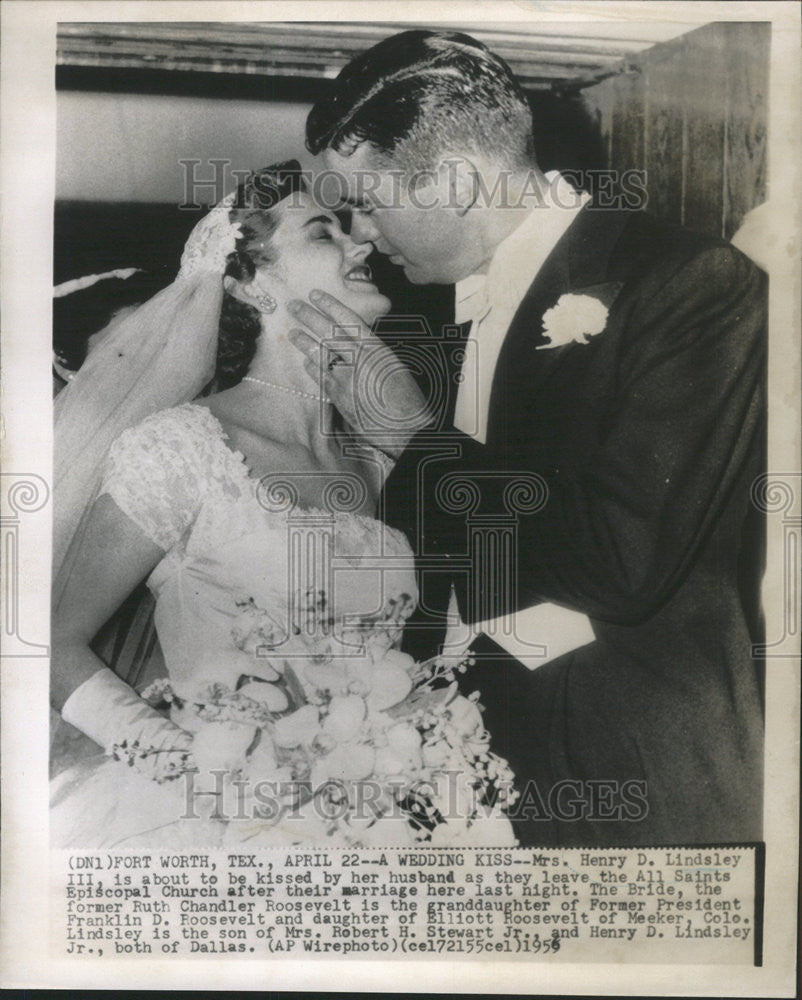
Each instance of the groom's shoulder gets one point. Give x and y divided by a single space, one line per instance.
648 246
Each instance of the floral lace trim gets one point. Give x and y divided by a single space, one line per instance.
163 473
211 241
160 472
387 463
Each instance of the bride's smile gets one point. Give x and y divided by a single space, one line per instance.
310 250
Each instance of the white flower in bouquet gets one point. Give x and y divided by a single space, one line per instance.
395 658
379 833
494 830
436 754
254 630
385 681
346 714
185 714
359 672
466 719
263 766
301 727
269 695
390 682
456 791
404 741
222 745
346 762
389 764
325 678
465 716
301 826
402 756
335 715
260 667
262 759
491 831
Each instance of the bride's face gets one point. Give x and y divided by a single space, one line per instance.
310 250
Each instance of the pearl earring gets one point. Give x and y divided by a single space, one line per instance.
266 303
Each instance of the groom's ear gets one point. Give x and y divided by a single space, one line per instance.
461 175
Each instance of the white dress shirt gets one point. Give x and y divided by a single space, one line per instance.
491 300
538 634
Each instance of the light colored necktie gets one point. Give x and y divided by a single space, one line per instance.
472 302
533 635
472 306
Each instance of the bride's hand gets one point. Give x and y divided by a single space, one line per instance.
373 390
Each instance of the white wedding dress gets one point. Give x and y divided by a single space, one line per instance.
231 543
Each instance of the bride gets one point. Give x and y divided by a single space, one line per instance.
280 598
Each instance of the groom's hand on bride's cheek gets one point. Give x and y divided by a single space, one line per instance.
373 390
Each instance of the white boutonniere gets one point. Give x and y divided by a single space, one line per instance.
573 319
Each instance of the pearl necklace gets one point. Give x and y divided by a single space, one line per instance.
286 388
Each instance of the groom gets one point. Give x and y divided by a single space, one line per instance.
593 458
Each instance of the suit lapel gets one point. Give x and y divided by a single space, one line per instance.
580 259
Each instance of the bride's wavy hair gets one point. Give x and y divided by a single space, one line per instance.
240 323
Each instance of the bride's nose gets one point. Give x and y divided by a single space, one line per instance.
357 252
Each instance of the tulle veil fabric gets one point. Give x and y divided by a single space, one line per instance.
159 356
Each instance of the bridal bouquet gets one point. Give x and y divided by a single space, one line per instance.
342 738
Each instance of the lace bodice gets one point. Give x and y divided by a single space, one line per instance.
242 555
161 472
252 586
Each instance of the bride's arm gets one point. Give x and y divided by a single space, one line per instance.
153 484
114 557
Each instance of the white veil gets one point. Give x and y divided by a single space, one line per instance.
159 356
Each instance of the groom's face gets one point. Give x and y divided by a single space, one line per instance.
411 223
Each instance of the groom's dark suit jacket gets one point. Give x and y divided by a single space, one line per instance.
648 439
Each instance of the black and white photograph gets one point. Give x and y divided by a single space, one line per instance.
420 395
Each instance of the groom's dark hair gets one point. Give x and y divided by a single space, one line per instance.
419 94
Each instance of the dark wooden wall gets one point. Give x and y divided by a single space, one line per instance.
692 114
